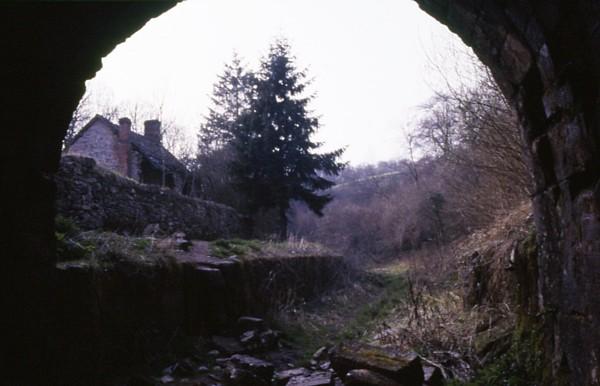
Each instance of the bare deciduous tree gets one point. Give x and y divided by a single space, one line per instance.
477 132
471 169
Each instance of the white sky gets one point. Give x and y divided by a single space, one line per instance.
368 59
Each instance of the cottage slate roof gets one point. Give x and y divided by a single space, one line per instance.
151 151
155 153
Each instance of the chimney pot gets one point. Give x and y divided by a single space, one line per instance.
152 130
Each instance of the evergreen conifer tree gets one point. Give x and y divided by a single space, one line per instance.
231 97
275 158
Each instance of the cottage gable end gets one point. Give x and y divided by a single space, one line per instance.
99 141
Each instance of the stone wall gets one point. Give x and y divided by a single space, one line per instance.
121 315
96 198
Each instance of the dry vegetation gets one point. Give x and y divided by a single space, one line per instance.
267 248
449 315
352 310
422 302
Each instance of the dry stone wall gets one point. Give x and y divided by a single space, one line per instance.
96 198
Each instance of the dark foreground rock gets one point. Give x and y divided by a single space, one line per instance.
281 378
363 377
405 369
227 345
244 370
349 364
321 378
246 323
433 376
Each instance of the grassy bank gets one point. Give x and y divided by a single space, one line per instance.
353 311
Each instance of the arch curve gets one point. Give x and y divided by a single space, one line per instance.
544 54
546 57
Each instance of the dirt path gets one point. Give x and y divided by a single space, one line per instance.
199 253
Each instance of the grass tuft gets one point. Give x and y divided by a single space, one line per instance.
234 247
254 248
105 249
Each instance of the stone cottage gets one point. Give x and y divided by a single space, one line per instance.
140 157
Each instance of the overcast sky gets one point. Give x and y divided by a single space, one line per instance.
368 58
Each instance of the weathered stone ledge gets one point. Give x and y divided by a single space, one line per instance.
119 315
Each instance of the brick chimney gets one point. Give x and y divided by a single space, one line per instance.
124 129
123 145
152 130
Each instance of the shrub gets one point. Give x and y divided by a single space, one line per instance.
68 247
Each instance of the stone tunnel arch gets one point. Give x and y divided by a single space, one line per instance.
544 54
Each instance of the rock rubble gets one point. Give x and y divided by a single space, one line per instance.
248 356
